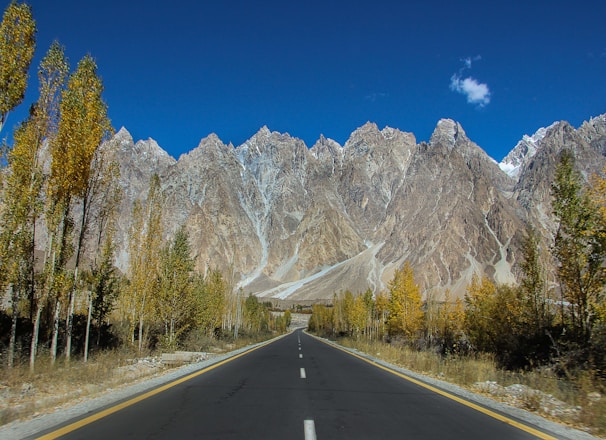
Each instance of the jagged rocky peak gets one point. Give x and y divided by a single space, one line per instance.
367 134
523 152
447 133
326 147
265 134
144 151
596 124
265 139
594 132
154 153
368 138
210 145
123 137
301 223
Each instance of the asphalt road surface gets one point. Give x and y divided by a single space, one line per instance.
296 388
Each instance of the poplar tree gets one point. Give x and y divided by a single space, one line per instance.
21 197
52 74
83 125
579 248
103 288
145 243
479 308
210 295
405 305
23 191
17 45
536 309
174 303
358 316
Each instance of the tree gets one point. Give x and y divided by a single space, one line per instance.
579 248
381 312
17 44
145 243
479 308
83 125
52 74
536 308
359 316
210 295
287 318
175 304
21 196
405 305
256 315
444 323
23 189
104 285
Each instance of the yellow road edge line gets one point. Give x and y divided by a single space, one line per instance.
446 394
106 412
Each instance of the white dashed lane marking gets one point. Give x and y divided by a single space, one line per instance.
309 427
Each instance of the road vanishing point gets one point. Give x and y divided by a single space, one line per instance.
296 387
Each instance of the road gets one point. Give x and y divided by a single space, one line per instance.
295 388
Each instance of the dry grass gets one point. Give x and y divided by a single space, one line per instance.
24 394
584 395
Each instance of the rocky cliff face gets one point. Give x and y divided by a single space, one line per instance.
302 223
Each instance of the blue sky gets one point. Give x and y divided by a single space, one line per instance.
179 70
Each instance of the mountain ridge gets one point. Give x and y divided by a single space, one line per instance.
300 223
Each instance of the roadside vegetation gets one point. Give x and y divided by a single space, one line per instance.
72 322
547 334
69 320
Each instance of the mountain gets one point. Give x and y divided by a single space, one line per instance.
524 151
299 224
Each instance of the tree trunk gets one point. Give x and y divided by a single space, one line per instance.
140 334
69 325
72 293
35 332
55 332
13 337
88 319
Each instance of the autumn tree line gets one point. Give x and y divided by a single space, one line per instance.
556 319
59 196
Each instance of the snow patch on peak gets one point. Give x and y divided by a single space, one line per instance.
524 150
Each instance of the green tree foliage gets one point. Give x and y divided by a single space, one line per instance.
23 188
579 249
146 232
17 44
104 285
175 301
210 294
500 319
321 320
256 315
405 305
537 305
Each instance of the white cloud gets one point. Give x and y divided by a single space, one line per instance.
476 92
467 61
